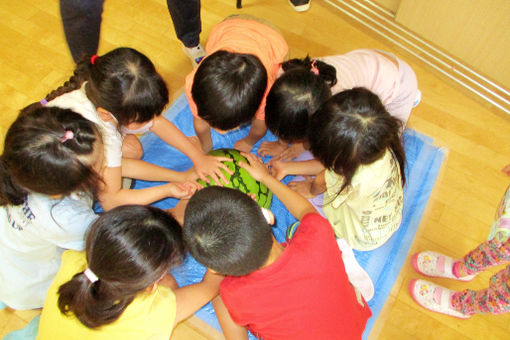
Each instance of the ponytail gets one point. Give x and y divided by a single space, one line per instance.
129 248
325 71
93 303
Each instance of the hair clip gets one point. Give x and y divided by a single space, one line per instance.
93 59
267 216
43 101
90 275
68 135
314 68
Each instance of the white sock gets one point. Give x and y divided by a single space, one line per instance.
357 275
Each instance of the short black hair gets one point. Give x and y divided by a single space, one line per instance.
228 88
224 230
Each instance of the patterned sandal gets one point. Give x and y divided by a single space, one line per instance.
432 264
434 298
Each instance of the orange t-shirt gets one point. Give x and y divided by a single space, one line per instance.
249 37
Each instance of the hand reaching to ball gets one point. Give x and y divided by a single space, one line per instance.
256 168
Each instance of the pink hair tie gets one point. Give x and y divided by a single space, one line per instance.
90 275
68 135
314 68
43 101
93 59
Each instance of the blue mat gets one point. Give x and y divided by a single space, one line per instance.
383 264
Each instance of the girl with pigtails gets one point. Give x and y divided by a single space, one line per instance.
124 95
49 174
120 287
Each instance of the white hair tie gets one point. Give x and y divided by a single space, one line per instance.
90 275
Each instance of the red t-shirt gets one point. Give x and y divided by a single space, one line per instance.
304 294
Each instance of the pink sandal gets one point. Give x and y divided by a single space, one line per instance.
434 298
432 264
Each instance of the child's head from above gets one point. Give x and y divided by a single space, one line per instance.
225 230
50 151
123 82
128 248
228 89
292 100
351 129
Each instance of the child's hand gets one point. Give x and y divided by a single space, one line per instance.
271 148
182 190
506 169
190 175
256 168
243 145
277 169
304 188
211 166
291 152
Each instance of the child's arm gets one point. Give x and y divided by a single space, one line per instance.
231 330
204 165
310 187
138 169
273 149
112 195
203 131
257 131
297 205
193 297
280 169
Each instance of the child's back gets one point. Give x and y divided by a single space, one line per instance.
304 294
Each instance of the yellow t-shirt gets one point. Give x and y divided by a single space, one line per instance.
369 210
149 316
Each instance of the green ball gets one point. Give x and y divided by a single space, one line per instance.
240 179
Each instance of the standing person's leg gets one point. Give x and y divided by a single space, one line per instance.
186 18
488 254
494 300
82 25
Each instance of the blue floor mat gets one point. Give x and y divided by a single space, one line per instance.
383 264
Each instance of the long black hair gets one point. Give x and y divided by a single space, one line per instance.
353 128
38 157
128 248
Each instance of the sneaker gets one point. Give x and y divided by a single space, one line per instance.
300 5
432 264
195 54
434 298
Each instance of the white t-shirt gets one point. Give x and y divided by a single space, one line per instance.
368 211
112 139
33 236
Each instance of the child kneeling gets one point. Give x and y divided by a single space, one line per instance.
294 290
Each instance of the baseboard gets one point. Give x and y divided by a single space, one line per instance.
380 21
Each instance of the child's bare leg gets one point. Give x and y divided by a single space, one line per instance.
131 147
231 330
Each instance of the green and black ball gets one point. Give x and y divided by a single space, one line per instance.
241 179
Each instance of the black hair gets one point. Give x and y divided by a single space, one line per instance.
292 100
128 248
224 230
228 88
353 128
123 81
36 159
326 71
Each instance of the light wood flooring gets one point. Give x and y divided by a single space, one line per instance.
34 59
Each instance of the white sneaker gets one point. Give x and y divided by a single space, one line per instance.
195 54
300 5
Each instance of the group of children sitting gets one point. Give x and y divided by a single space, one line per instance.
339 122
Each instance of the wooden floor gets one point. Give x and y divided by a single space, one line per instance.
34 59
